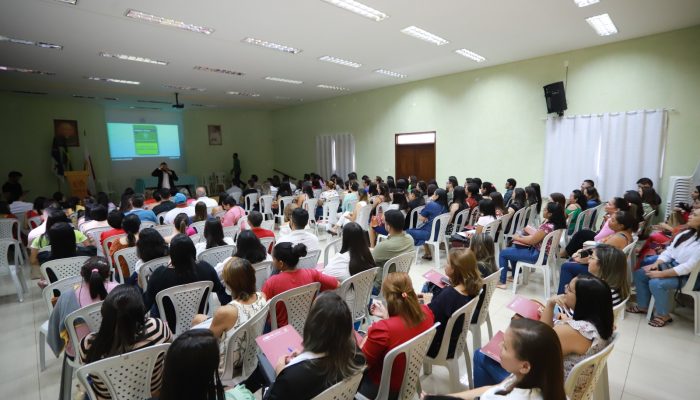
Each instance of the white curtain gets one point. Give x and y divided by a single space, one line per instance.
612 149
335 154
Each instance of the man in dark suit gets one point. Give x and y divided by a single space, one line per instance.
166 176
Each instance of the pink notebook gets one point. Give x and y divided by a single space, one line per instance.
525 307
437 278
493 347
280 342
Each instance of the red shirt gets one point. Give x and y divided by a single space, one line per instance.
262 233
287 280
112 232
383 336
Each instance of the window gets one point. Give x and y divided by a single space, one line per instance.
415 138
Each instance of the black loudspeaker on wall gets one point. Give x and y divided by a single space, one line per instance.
555 97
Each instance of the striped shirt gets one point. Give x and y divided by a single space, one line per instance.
155 332
616 299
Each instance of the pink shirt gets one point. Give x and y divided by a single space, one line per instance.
605 231
232 216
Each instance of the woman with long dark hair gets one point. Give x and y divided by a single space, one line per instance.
576 205
576 242
250 248
354 256
213 236
124 328
459 204
422 232
149 246
538 193
635 201
610 264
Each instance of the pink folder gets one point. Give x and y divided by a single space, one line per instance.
436 278
525 307
280 342
493 347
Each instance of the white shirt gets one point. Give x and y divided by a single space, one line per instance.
485 220
170 215
301 236
338 266
36 232
687 254
211 203
201 246
93 224
19 207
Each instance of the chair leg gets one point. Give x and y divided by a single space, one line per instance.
602 389
650 312
42 350
488 325
453 371
436 255
476 336
66 380
15 279
547 282
696 304
470 374
518 268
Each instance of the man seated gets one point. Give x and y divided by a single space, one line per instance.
165 203
255 219
201 193
398 242
300 217
180 207
137 201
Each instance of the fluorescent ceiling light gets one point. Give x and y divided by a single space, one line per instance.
471 55
218 70
416 138
421 34
584 3
389 73
359 9
168 22
340 61
25 70
332 87
190 88
602 24
73 2
245 94
284 80
133 58
31 43
271 45
112 80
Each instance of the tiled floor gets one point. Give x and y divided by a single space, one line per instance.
647 363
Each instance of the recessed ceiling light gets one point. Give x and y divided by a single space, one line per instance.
271 45
421 34
194 89
602 24
168 22
133 58
584 3
218 70
359 8
389 73
332 87
73 2
31 43
112 80
284 80
245 94
80 96
471 55
340 61
25 70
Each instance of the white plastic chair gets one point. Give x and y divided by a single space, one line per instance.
61 286
63 267
10 228
532 218
281 204
198 226
165 230
241 223
126 376
460 221
437 236
266 206
91 317
188 300
517 221
34 222
297 301
400 263
15 269
310 261
362 217
161 218
413 218
473 216
545 262
484 314
356 291
269 243
687 289
130 257
628 250
590 375
461 347
197 238
94 235
501 234
231 232
343 390
491 228
147 269
310 206
269 225
262 273
107 244
244 336
619 310
414 350
330 215
334 245
217 254
249 202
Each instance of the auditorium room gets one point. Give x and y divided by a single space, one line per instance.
349 199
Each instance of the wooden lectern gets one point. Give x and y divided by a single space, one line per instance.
78 183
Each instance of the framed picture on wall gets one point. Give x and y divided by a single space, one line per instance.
214 135
67 131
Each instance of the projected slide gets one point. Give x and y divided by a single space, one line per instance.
127 141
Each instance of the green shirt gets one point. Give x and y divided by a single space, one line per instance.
43 240
393 246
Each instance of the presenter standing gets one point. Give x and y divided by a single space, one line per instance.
166 176
236 169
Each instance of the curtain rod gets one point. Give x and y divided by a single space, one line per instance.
670 109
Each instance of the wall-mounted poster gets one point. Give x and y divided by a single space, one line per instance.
214 135
67 131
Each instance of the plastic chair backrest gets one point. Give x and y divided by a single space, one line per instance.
63 267
310 207
165 230
217 254
9 228
281 204
330 211
689 287
249 202
413 221
107 244
465 312
363 215
582 380
492 228
60 286
188 300
415 350
95 233
126 376
269 225
437 231
334 245
91 316
266 204
147 269
618 310
343 390
130 257
35 221
198 226
269 243
460 221
297 302
146 224
245 335
516 221
231 232
532 215
473 216
161 218
400 263
360 285
310 260
550 241
262 272
241 221
487 291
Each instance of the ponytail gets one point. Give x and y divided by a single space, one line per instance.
131 239
289 254
95 271
182 228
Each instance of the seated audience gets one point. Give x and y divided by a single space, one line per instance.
298 234
592 197
354 255
98 219
233 212
577 203
62 238
422 232
398 242
114 219
213 237
610 265
180 207
131 225
149 246
165 204
351 216
576 242
201 193
137 208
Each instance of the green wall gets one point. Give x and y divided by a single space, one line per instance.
490 122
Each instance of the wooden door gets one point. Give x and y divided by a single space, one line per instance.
415 159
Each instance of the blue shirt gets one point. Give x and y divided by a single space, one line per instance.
431 210
144 215
592 203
